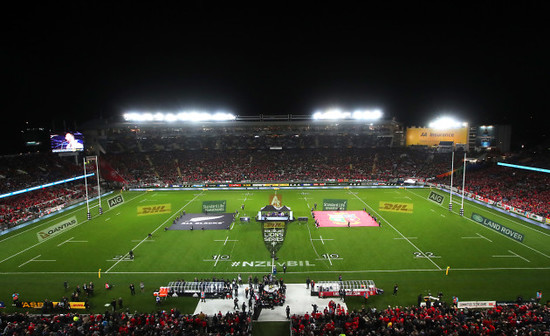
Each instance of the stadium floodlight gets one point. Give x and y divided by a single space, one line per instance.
191 115
339 114
446 123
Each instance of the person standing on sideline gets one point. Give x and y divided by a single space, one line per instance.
539 296
132 289
142 286
395 289
308 281
284 268
288 312
203 296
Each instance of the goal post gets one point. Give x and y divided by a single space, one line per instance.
89 161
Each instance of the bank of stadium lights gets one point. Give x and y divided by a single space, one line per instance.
179 116
446 123
338 114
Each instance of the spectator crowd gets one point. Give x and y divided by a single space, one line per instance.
525 319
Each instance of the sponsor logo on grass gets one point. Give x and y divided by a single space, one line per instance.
203 221
268 263
274 235
335 204
396 207
276 200
497 227
145 210
57 229
344 218
117 200
437 198
213 206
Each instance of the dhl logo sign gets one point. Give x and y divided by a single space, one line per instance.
145 210
396 207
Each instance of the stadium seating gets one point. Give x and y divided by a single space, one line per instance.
530 319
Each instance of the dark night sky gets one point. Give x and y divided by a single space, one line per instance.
486 62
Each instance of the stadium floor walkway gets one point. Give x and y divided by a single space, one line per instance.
297 297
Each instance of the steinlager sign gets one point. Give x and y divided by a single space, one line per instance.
335 204
497 227
213 206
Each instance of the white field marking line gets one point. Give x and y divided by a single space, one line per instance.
48 221
503 256
216 263
215 259
331 259
529 247
108 219
119 260
442 215
498 214
66 241
118 213
311 238
402 235
514 253
226 240
484 237
43 241
28 261
432 210
487 269
322 239
138 240
476 237
312 245
406 238
155 230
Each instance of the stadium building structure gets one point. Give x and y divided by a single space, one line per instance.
263 132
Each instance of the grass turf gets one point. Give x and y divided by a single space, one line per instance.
410 249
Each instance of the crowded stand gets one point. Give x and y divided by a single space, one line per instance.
173 168
513 319
517 319
23 171
522 189
163 322
27 206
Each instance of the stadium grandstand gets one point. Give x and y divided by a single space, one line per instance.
253 154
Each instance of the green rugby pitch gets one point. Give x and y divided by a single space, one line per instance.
412 249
